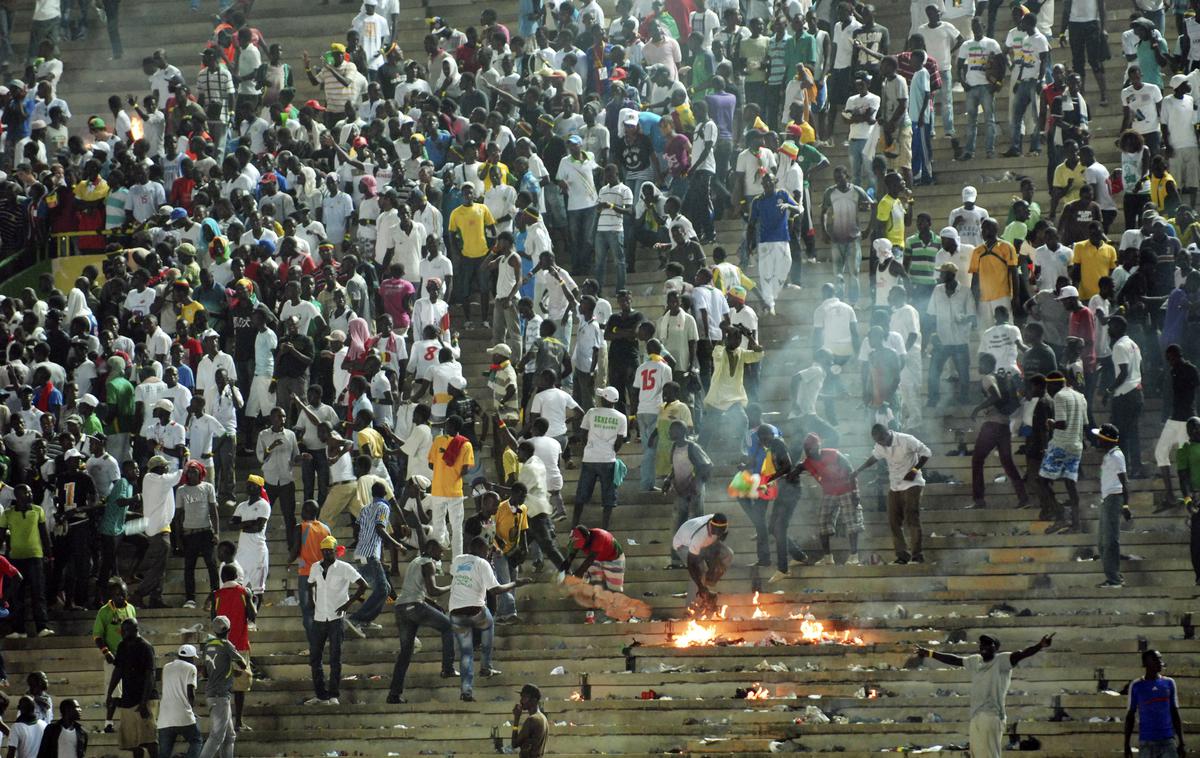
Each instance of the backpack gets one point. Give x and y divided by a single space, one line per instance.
1010 395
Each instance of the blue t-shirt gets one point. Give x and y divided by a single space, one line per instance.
1153 700
770 214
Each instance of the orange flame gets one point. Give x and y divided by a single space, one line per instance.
576 696
758 692
696 634
759 613
136 128
872 694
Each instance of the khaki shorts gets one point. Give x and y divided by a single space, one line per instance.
903 149
108 672
135 730
242 680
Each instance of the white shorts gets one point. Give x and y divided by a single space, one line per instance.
1185 167
262 397
1173 435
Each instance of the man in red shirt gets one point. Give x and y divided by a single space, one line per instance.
235 602
603 562
1081 323
839 496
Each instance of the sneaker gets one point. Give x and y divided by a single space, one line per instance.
373 625
1107 585
853 560
449 674
827 560
331 701
467 697
489 672
47 632
917 559
109 728
1011 153
310 701
189 604
900 562
16 635
560 516
486 325
396 700
355 628
778 576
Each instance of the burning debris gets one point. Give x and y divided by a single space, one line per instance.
706 630
754 692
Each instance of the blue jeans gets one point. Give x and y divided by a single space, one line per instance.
981 96
506 603
306 607
960 355
858 172
376 578
689 505
331 632
847 260
409 618
610 242
314 475
1110 537
1026 96
944 97
647 422
464 633
581 225
589 475
189 734
922 152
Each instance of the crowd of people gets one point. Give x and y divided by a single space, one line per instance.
282 288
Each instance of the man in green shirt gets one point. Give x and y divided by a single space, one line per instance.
121 419
23 528
106 632
87 406
112 520
920 250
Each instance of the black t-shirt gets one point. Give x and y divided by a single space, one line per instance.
1184 381
244 333
288 364
135 662
634 157
1038 359
624 350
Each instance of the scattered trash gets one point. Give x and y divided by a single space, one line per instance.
557 671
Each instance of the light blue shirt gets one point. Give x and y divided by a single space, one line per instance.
918 90
265 343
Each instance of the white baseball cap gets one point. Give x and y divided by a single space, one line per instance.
969 194
608 393
1067 292
165 405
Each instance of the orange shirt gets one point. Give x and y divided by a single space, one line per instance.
312 532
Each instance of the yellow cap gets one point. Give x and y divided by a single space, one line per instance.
329 543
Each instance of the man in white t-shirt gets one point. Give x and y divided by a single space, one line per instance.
1179 120
973 63
942 40
861 111
330 582
649 380
606 429
991 675
1029 66
176 719
700 544
472 581
1126 391
1140 104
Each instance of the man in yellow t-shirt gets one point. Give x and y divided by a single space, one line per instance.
1068 178
450 456
1091 259
893 212
470 225
994 264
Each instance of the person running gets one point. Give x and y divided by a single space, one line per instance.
416 607
840 504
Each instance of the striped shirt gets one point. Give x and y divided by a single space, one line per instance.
921 256
369 541
215 86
